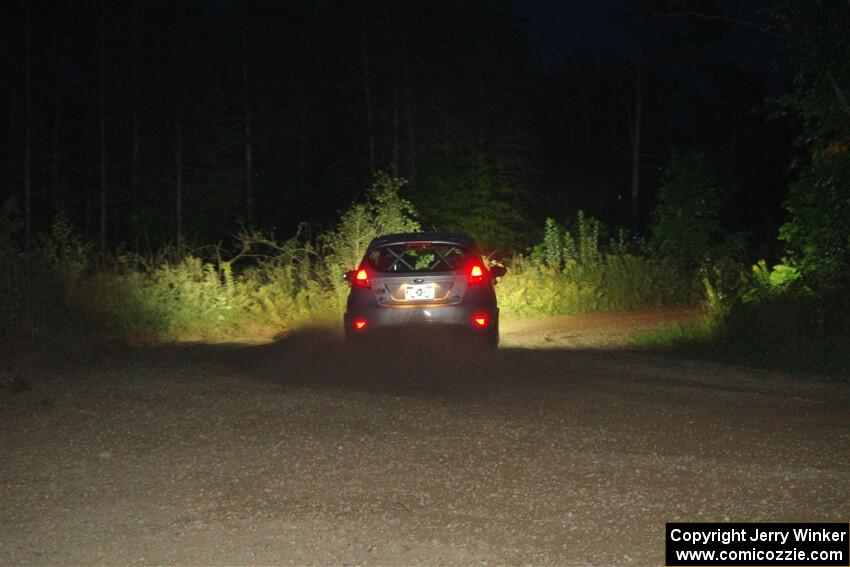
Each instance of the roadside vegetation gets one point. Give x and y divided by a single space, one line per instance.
794 313
582 268
261 286
791 315
264 286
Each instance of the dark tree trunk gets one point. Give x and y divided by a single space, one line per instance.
411 140
134 153
249 159
396 132
89 169
367 90
178 190
636 131
57 192
11 155
116 211
446 136
102 123
585 115
58 197
397 87
28 135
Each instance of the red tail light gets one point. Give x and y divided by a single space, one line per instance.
481 320
360 324
362 278
476 274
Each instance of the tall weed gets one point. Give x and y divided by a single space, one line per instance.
575 271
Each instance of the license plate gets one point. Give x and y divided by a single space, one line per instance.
415 292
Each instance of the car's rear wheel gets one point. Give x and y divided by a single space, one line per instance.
490 339
352 338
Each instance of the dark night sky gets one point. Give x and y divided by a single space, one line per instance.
558 27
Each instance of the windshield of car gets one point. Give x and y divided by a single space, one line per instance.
413 257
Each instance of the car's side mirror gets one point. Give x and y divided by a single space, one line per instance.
498 271
348 276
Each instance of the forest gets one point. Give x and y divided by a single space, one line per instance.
210 167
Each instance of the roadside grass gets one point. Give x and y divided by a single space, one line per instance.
196 299
789 331
693 338
264 287
613 282
190 298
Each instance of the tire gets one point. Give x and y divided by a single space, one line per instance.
353 340
490 340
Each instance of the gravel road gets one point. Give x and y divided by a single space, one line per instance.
561 448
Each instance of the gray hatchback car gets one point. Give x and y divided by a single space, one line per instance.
425 278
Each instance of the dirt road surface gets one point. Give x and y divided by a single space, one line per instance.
561 448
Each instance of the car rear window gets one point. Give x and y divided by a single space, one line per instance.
413 257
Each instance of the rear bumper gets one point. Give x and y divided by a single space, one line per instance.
457 315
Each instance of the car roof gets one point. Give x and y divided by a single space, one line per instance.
450 237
